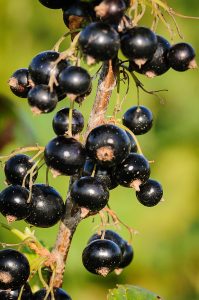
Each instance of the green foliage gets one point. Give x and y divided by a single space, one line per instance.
130 292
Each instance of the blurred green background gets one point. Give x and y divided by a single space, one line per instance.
167 246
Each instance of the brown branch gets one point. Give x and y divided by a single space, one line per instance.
73 214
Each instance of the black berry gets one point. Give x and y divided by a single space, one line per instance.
53 4
88 167
134 147
111 11
59 294
127 256
76 9
150 193
19 83
14 294
106 176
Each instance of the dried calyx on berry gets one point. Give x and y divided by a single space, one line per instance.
111 11
19 83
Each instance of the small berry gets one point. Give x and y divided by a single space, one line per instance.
127 256
181 57
19 83
106 176
88 167
14 203
138 119
111 11
53 4
14 269
101 257
41 99
76 9
61 121
16 169
134 147
59 294
90 193
150 193
14 294
46 206
64 156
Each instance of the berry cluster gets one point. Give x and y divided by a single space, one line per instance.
109 155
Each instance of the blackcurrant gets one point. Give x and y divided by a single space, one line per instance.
14 294
134 171
41 99
99 41
14 269
101 257
181 57
150 193
17 167
14 203
134 147
108 145
111 11
59 294
106 176
61 121
53 4
138 119
43 66
90 193
77 9
88 167
139 44
19 83
64 156
127 256
158 65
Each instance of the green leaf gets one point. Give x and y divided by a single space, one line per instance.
130 292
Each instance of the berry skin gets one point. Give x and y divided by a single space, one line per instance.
14 269
88 192
138 119
19 83
59 294
99 41
139 44
150 193
46 206
134 171
88 167
127 256
61 121
111 11
16 169
74 80
106 176
53 4
76 9
42 65
14 294
158 65
41 99
134 147
64 156
108 145
14 203
181 57
101 257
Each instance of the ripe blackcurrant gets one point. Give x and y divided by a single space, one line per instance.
14 294
53 4
138 119
41 99
101 257
99 41
46 206
61 121
106 176
127 256
134 147
134 171
90 193
59 294
16 169
14 203
111 11
150 193
64 156
88 167
181 57
14 269
19 83
139 44
108 145
77 9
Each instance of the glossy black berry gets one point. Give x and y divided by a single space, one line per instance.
14 294
101 257
19 83
46 206
59 294
53 4
74 80
158 65
88 167
108 145
16 169
150 193
127 256
138 119
14 203
14 269
139 44
181 57
77 9
64 156
111 11
134 171
41 99
134 147
43 64
106 176
90 193
99 41
61 121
